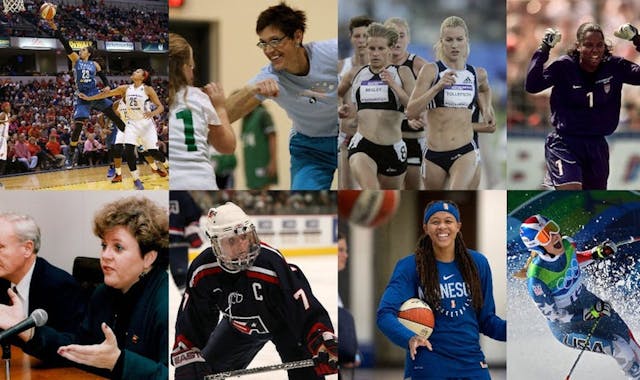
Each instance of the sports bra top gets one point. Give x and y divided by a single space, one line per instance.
370 92
462 94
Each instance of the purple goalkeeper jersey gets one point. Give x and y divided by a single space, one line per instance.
582 103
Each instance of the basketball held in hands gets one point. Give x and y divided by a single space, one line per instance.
417 316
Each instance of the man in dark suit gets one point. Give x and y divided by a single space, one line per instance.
28 282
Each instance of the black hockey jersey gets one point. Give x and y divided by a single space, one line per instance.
271 297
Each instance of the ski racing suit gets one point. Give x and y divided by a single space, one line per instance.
555 285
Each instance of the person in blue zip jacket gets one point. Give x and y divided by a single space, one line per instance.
577 318
456 283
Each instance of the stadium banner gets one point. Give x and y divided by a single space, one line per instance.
34 43
5 42
154 47
77 44
296 235
118 46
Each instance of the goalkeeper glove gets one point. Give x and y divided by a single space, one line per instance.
604 250
551 37
599 309
626 32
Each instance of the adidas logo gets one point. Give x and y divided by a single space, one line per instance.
467 80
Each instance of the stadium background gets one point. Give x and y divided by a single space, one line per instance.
36 76
528 115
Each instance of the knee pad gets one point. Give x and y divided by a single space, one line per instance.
77 130
130 156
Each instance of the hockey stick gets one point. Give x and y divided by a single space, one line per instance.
586 344
249 371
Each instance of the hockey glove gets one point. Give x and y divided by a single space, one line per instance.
599 309
189 364
323 345
551 37
626 32
604 250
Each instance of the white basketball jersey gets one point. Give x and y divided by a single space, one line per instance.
136 97
189 120
4 137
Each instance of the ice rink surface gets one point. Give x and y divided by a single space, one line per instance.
322 273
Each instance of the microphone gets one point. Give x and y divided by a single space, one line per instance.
36 319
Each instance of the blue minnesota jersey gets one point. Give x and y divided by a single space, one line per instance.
85 73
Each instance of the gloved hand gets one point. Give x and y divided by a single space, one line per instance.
551 37
323 345
626 32
599 309
604 250
189 364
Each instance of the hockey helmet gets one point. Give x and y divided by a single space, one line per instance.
536 231
233 237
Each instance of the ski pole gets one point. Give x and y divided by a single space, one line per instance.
593 328
249 371
631 239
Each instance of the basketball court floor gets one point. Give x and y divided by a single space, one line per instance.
87 178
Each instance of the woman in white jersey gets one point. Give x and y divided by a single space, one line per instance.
377 154
194 123
139 120
5 119
449 88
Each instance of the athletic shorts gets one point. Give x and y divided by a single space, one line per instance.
415 150
446 159
314 160
140 132
390 159
577 159
82 108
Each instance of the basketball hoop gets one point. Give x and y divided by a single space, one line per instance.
13 6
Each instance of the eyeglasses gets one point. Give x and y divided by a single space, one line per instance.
543 237
274 43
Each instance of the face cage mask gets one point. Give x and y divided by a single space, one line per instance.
242 242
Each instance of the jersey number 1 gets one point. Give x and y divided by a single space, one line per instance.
590 96
189 138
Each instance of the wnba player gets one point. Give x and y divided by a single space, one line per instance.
377 154
5 119
450 87
194 121
85 72
139 120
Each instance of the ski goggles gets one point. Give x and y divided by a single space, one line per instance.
543 237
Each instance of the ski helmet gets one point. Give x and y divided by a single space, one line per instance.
233 237
536 231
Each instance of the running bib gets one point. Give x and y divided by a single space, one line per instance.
374 91
459 95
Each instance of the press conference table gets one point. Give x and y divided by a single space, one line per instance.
26 367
